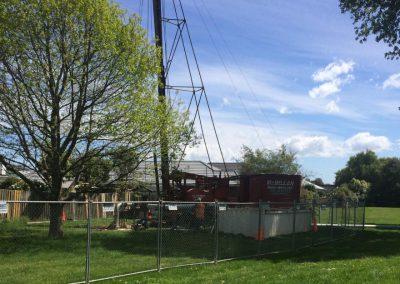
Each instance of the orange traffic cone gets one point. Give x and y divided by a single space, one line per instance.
260 234
315 226
63 216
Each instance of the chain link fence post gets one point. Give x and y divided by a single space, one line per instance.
363 220
216 228
88 241
348 211
332 213
355 206
294 226
319 213
259 234
345 213
313 220
159 235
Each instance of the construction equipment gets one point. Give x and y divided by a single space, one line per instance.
279 188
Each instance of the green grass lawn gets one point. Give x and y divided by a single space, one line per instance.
382 215
373 215
28 255
372 257
341 215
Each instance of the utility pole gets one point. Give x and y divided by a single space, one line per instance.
156 174
161 97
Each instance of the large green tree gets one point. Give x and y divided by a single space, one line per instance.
363 166
380 18
77 79
263 161
387 189
377 178
114 172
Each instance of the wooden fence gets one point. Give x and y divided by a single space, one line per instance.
17 208
72 211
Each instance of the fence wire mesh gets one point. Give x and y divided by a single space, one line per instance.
187 233
123 238
238 230
103 240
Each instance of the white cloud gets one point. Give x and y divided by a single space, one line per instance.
332 107
392 82
325 89
332 77
284 110
234 135
268 90
318 146
365 141
225 101
333 70
322 146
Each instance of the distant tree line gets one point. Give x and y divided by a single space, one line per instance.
378 179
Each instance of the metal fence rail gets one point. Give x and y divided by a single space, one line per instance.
117 239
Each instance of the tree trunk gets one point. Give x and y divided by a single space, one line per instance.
55 230
56 209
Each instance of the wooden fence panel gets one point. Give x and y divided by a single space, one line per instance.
71 210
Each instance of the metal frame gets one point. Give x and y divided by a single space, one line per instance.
215 231
294 225
88 242
159 234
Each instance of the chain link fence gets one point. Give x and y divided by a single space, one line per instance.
106 240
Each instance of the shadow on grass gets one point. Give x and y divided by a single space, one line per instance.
369 243
35 240
201 244
26 240
385 226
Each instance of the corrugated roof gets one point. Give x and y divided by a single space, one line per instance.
145 170
3 171
233 168
306 182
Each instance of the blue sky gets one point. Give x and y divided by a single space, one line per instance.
293 74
